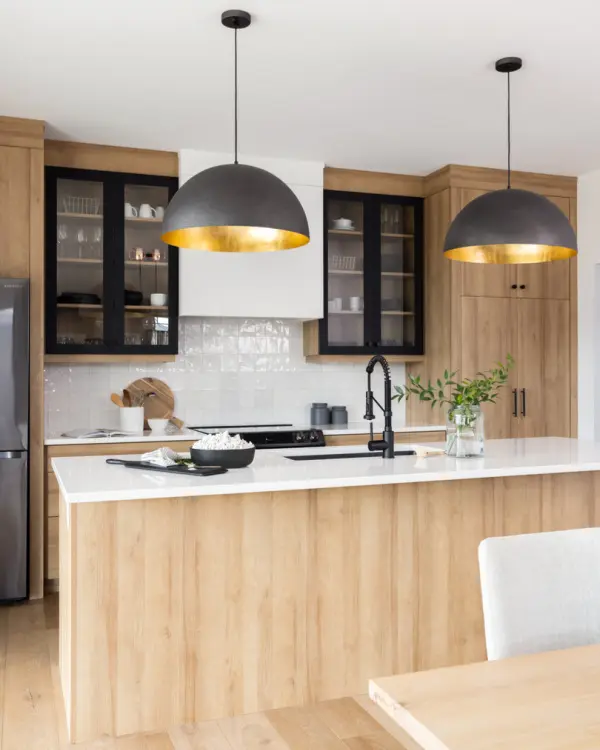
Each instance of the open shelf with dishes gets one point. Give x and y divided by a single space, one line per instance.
373 276
111 283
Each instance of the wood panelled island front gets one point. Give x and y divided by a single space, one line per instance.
182 608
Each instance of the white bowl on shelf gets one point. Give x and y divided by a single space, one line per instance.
158 300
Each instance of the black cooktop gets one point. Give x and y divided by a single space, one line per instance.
263 437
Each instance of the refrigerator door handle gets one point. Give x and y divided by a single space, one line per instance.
11 454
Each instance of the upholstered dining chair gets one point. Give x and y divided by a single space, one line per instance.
541 592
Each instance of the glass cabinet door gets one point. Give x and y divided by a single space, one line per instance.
373 275
146 303
79 281
345 224
111 283
398 289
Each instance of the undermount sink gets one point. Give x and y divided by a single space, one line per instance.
328 456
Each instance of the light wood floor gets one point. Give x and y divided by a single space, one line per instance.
31 711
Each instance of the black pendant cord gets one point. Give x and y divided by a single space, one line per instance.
508 128
235 106
508 65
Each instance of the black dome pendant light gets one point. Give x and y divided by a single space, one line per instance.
235 208
510 226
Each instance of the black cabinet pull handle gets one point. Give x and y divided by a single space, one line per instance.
523 403
513 286
522 286
515 412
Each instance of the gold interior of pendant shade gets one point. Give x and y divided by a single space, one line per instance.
510 253
235 239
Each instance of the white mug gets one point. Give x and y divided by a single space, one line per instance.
159 212
356 304
146 211
130 211
158 300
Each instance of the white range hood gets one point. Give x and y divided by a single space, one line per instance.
285 284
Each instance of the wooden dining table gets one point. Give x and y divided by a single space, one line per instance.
546 701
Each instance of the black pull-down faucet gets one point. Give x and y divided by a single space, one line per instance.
387 444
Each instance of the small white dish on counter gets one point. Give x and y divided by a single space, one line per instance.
158 425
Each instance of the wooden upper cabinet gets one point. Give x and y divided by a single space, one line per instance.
546 280
488 334
543 368
480 279
14 212
529 281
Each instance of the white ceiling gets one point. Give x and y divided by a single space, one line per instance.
372 84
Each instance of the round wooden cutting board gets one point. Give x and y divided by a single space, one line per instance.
155 396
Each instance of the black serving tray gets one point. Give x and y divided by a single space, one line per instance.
191 471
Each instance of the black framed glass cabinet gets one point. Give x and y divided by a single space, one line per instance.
373 275
111 283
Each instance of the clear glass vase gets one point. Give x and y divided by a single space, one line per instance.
464 432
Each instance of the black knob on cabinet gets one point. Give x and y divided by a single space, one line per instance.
522 286
514 286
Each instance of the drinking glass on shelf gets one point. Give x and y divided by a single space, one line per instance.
96 247
62 235
82 242
384 220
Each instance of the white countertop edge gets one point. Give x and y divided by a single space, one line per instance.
280 485
146 437
353 428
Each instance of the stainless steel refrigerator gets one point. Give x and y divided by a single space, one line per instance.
14 438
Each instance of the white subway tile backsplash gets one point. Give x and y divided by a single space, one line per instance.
241 370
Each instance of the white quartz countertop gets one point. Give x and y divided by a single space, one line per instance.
352 428
146 437
90 479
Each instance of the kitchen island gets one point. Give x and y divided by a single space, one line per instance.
288 582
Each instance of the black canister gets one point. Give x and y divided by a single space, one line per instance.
339 415
319 414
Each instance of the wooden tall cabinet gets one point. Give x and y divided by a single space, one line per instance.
544 379
476 314
536 401
488 333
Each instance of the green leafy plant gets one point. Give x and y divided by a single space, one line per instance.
467 393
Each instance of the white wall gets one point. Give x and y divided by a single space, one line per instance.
228 369
588 280
286 284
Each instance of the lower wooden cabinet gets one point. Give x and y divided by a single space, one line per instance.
51 558
53 492
536 402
